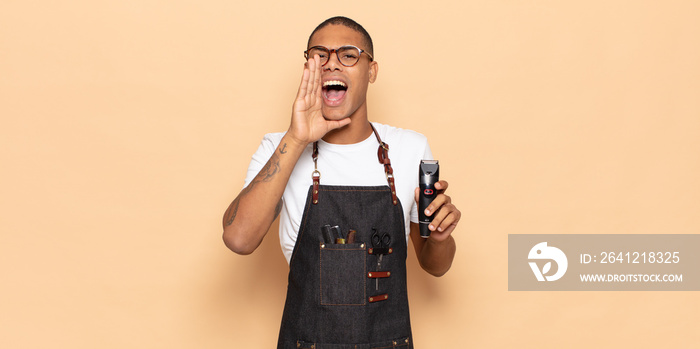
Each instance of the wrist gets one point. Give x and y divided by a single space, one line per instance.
291 143
295 136
439 240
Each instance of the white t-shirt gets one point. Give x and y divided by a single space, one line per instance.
350 165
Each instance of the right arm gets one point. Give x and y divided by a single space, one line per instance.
251 213
249 216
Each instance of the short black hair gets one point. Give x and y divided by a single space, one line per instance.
347 22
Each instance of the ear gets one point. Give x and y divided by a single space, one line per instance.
373 70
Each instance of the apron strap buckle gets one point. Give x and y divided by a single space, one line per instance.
316 177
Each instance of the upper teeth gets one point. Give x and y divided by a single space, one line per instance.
333 82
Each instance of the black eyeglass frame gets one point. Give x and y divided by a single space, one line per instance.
337 54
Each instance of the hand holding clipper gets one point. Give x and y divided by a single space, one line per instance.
428 175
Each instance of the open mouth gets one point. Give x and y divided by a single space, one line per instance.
334 91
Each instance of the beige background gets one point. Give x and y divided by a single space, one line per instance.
127 126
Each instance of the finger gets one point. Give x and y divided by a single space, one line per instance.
441 185
450 223
312 77
316 75
446 218
438 202
304 81
438 217
333 124
444 234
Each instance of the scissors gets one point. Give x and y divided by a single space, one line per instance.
380 242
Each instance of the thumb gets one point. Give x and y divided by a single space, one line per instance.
416 192
333 124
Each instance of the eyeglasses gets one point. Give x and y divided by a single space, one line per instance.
347 55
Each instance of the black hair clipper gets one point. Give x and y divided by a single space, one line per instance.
428 175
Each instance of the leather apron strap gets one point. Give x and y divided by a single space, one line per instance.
382 155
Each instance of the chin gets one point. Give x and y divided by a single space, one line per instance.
334 115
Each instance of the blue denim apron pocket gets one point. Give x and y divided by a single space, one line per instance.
343 270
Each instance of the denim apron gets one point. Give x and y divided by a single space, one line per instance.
349 295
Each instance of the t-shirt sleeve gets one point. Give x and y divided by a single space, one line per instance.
427 155
267 147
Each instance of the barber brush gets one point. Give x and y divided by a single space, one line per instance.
351 237
428 175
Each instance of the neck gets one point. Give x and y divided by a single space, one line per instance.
356 131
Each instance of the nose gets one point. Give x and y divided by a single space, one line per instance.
333 62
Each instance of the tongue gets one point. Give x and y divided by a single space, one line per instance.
335 94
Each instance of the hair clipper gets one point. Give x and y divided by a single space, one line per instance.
428 175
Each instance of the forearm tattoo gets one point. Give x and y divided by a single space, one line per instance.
266 174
